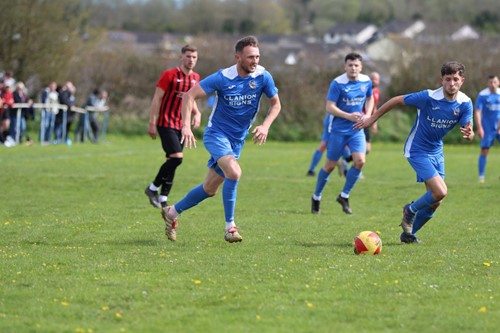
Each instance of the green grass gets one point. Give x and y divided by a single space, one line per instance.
83 251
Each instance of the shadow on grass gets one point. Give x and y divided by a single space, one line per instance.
123 242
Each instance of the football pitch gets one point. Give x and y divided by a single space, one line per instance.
82 250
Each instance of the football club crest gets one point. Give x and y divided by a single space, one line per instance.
252 84
456 112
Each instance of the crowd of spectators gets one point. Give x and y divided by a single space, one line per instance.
56 117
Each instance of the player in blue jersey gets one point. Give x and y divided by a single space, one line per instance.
238 90
487 119
347 95
318 153
438 111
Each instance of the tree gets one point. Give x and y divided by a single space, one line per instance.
39 38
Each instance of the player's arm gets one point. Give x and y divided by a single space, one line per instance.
369 104
260 132
479 125
154 111
386 107
195 116
188 104
374 130
332 108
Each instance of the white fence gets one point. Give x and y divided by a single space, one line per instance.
46 109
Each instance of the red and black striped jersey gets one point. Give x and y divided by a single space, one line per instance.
174 82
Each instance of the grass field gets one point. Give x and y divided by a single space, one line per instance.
83 251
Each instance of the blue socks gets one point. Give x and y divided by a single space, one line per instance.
424 201
351 179
229 190
421 218
481 165
198 194
321 182
194 197
315 159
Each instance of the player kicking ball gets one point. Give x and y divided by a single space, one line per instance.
438 111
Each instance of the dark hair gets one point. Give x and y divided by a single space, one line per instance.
452 67
246 41
353 56
492 76
188 48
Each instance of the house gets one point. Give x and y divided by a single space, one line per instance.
438 32
354 33
402 28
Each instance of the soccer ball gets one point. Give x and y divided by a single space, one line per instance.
367 242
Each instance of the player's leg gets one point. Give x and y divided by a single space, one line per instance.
429 169
232 172
335 146
486 143
357 145
318 153
199 193
170 141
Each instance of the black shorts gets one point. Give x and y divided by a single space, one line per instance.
170 140
367 135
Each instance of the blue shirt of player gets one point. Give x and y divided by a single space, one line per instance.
237 99
436 116
489 104
349 96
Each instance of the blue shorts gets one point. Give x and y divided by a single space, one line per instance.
337 142
218 145
427 166
489 139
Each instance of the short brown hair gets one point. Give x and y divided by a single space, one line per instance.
246 41
188 48
452 67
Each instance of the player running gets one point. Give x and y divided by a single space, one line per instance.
239 89
438 111
487 119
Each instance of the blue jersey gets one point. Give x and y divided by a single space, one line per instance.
436 116
349 96
237 99
489 104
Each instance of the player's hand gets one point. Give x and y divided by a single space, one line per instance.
152 131
196 120
363 122
188 138
355 116
467 132
260 135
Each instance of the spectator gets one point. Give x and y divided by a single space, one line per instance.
8 79
50 97
4 115
67 97
20 97
97 99
8 102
